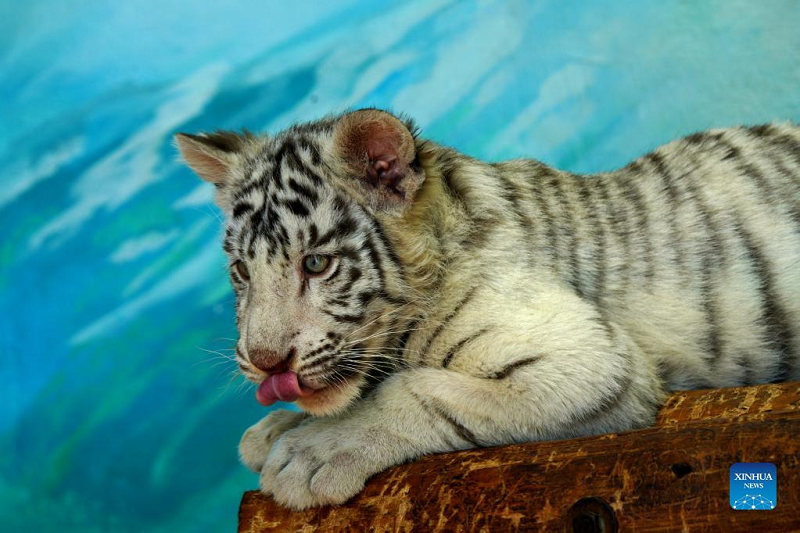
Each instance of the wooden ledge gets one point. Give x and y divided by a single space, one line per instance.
671 477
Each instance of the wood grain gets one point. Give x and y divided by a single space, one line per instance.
671 477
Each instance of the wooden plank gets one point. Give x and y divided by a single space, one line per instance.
671 477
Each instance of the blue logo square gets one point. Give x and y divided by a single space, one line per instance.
753 486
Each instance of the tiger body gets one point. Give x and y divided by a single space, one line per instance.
470 304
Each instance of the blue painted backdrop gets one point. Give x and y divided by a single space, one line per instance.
115 414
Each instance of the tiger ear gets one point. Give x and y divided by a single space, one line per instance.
378 149
212 156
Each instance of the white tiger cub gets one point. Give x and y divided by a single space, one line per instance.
413 300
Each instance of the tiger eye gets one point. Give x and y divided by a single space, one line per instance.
241 271
316 264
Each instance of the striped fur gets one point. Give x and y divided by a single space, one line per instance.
474 304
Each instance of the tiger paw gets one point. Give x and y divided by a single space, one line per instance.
318 464
259 438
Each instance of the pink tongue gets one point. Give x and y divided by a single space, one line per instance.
284 387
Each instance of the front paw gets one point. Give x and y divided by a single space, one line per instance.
317 464
259 438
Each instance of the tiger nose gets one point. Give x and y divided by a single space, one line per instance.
271 361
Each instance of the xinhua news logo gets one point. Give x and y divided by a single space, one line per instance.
753 486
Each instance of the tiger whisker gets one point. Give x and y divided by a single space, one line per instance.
383 315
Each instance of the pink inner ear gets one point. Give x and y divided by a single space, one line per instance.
385 169
386 173
202 160
379 148
209 169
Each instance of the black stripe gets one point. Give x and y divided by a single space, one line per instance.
714 258
311 147
353 276
257 217
312 175
251 244
711 255
340 205
547 221
282 237
323 239
341 302
764 185
674 202
228 244
768 195
319 361
324 347
506 371
281 157
732 154
365 298
480 225
305 192
793 198
779 331
243 234
254 182
461 430
375 259
378 260
450 189
433 415
605 325
387 247
481 228
448 318
292 157
597 242
696 138
460 344
246 188
513 195
313 233
396 300
345 227
296 207
617 214
241 208
403 341
435 410
762 130
567 210
351 319
640 209
791 147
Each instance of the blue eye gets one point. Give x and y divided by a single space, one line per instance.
316 264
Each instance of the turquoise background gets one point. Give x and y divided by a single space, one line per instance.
114 415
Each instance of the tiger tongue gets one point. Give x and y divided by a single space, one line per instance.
283 386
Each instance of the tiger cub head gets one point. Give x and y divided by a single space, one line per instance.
319 288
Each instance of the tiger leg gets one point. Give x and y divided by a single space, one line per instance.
592 381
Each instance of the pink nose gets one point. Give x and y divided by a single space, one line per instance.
270 361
